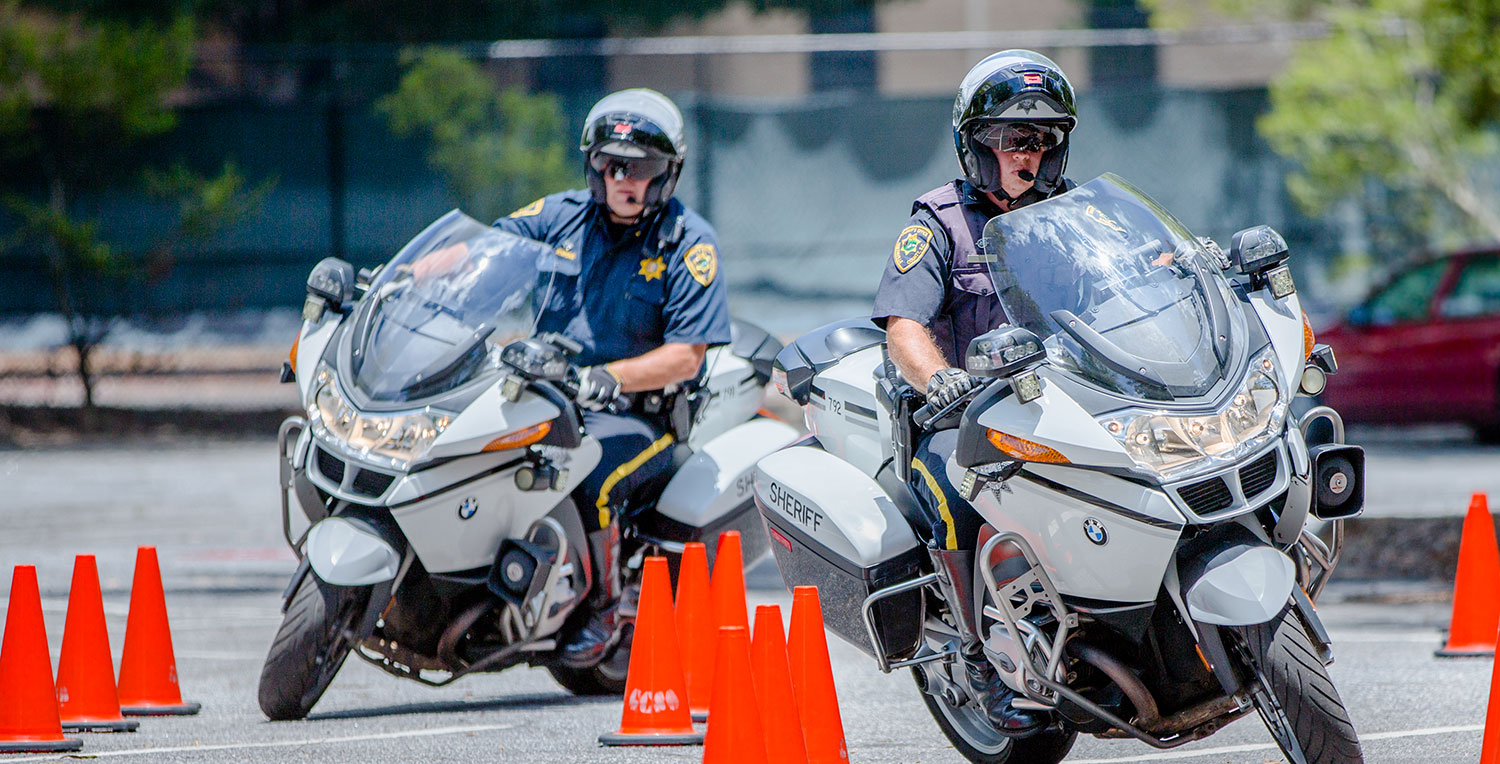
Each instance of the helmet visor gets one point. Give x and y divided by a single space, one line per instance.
623 167
1018 136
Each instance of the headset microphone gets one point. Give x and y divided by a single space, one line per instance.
1025 175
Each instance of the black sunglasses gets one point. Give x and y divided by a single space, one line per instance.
634 169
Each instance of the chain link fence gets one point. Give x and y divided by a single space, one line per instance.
807 192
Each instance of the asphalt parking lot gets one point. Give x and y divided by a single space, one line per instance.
210 509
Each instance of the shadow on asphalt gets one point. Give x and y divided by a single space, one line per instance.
534 700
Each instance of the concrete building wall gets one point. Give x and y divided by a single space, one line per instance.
926 73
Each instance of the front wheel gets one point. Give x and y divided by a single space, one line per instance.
315 637
1294 695
971 733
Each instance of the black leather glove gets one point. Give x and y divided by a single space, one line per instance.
946 385
597 387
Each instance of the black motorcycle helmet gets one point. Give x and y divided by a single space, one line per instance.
644 129
1013 86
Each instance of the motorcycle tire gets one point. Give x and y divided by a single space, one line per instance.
606 679
311 645
1296 699
974 739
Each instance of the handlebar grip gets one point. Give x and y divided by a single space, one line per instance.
923 416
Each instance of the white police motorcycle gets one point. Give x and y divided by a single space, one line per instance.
1146 569
435 462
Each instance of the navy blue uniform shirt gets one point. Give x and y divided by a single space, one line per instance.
622 297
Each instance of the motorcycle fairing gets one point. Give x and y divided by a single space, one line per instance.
499 511
1126 568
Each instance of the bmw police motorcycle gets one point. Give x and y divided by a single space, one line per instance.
1149 562
434 465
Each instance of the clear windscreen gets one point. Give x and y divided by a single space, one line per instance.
1122 293
432 313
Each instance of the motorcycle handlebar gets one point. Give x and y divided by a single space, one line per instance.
925 416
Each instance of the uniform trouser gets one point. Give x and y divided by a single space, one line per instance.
635 452
954 523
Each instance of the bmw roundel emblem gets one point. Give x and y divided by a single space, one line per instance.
1095 531
467 509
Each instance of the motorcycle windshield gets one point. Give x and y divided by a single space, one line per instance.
1122 294
432 313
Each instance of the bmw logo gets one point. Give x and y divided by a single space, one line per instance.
1095 531
467 509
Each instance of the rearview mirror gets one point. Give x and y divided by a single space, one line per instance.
1261 253
1008 351
333 280
535 359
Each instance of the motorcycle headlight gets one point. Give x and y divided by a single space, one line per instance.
1177 446
391 440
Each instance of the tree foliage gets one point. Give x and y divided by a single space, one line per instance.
77 93
498 149
1396 108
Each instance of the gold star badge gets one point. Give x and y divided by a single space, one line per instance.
653 268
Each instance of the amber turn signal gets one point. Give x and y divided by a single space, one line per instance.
1023 449
520 438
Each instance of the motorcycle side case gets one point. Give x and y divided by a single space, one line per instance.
833 527
711 492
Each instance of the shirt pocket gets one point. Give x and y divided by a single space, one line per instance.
973 281
644 308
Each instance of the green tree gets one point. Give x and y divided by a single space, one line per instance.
498 149
76 93
1395 108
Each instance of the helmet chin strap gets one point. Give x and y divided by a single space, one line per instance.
1010 201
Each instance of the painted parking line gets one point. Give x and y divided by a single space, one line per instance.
436 732
218 655
1202 752
1418 635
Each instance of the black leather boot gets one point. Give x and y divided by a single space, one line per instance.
956 569
592 641
995 696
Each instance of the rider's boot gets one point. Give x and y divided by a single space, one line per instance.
588 645
956 567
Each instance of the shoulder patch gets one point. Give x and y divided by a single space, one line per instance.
530 209
703 262
911 245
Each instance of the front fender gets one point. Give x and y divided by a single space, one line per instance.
347 552
1241 586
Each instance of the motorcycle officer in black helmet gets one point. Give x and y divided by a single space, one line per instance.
1011 124
635 284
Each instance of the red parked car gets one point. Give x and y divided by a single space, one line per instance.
1424 346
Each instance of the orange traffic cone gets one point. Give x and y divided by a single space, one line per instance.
1489 750
773 689
812 681
28 705
86 696
735 735
695 628
656 710
148 668
1476 586
728 583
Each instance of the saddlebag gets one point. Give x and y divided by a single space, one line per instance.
833 527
